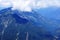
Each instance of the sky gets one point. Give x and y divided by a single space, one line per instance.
29 5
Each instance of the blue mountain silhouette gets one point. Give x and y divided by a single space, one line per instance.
18 18
34 27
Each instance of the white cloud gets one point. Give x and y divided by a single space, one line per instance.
28 5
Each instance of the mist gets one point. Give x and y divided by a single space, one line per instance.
29 5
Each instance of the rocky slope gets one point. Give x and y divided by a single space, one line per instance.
14 27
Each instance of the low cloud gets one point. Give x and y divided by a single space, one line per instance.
29 5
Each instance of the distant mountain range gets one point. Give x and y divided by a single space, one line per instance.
50 12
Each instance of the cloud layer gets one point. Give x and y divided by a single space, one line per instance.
29 5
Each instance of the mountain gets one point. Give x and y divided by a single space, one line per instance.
15 25
50 12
